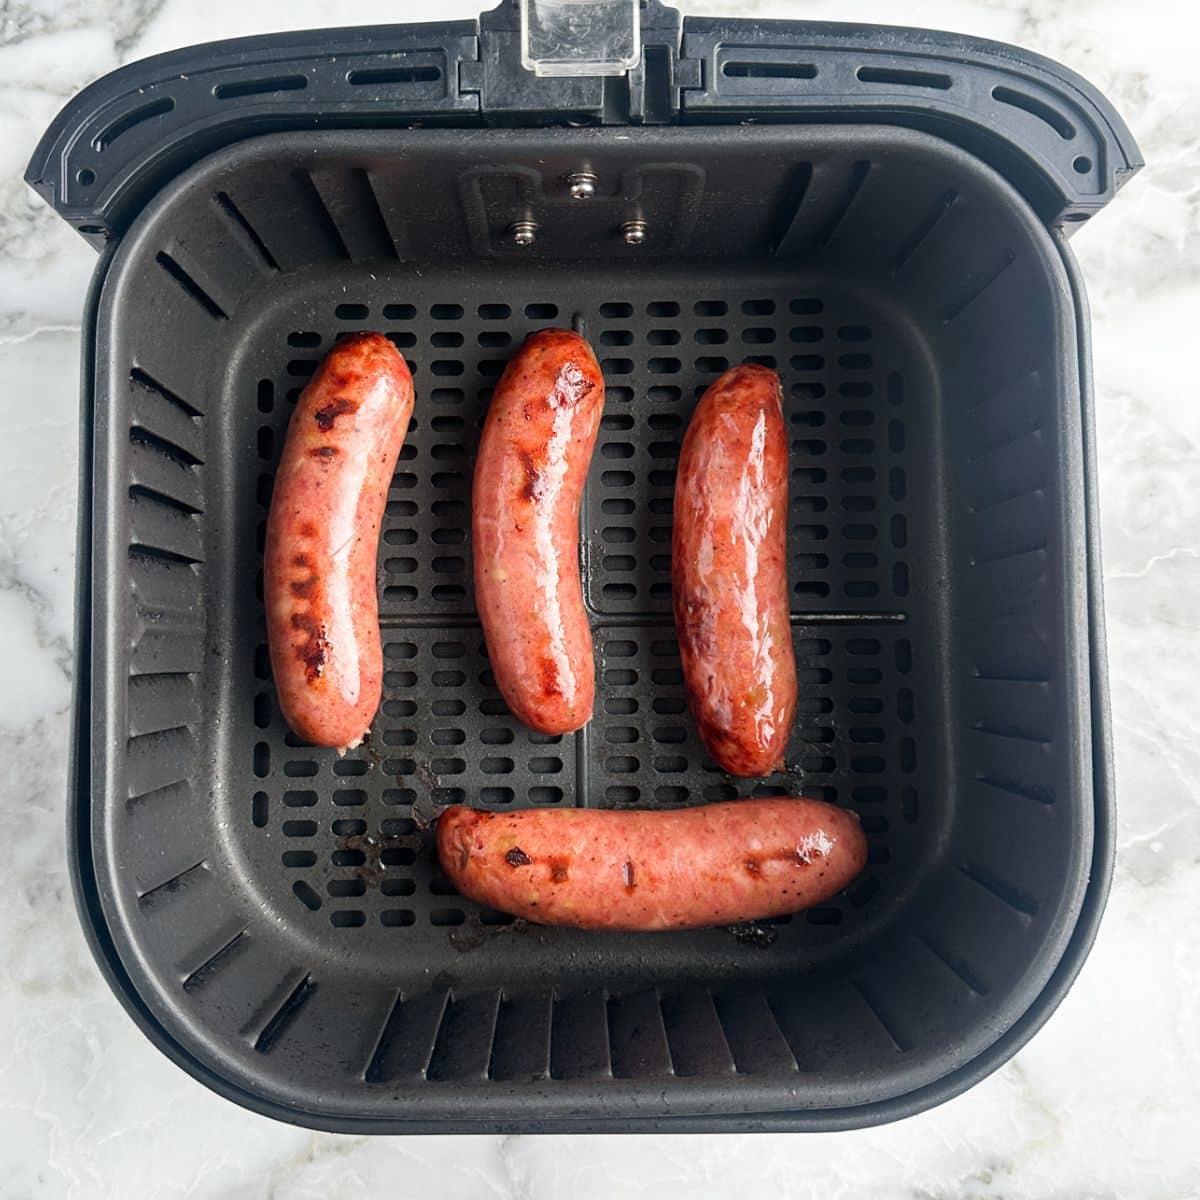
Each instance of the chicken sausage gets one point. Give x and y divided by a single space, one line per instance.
717 864
729 572
533 461
323 538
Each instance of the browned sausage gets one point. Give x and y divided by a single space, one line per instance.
533 461
323 536
729 572
604 869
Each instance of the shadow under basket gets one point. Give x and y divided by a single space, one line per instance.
273 914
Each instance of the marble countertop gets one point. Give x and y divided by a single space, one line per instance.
1104 1103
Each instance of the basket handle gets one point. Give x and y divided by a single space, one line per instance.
598 62
1053 135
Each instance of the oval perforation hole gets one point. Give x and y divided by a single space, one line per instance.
618 796
758 335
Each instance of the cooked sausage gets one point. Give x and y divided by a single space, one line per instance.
729 572
323 537
533 461
717 864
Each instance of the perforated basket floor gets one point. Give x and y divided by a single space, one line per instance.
280 908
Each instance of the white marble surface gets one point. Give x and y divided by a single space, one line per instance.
1104 1103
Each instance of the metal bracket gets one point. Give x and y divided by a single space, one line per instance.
580 92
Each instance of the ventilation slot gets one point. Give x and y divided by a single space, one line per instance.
379 76
1036 108
768 70
306 895
906 78
260 87
123 124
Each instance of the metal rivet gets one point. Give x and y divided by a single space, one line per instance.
524 233
634 232
582 185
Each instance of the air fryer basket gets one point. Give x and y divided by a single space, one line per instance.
274 914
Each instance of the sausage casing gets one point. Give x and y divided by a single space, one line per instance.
323 536
729 572
716 864
534 453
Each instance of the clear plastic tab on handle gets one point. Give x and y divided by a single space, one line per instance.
580 37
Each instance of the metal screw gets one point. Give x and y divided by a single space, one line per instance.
634 232
582 185
524 233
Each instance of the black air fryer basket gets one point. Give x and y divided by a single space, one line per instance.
881 215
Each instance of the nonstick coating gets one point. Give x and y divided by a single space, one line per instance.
277 911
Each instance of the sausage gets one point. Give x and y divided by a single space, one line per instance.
729 572
716 864
323 537
533 461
